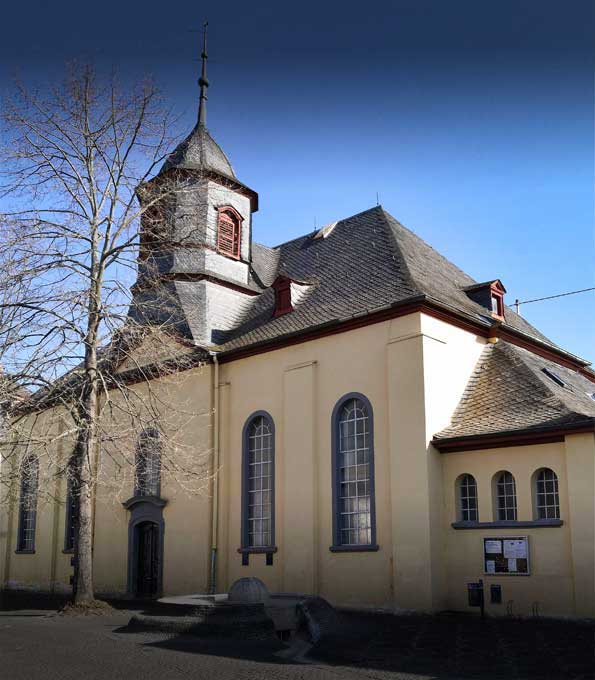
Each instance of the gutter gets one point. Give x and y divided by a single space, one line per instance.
215 513
537 435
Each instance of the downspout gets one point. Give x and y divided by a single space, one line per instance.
215 515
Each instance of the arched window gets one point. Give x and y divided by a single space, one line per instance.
148 464
505 497
28 504
72 505
547 501
354 524
258 483
228 232
467 498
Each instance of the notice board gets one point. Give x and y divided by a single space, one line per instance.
506 555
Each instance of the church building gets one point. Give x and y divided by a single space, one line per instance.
382 429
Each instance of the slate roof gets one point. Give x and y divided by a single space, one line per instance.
510 392
368 262
199 151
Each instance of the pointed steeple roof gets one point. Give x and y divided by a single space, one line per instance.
199 151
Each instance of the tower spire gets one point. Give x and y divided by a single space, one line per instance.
203 81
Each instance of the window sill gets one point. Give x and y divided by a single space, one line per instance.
24 552
258 551
509 524
374 547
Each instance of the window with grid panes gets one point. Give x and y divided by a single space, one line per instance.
354 477
28 504
468 499
72 506
547 499
506 497
148 463
259 488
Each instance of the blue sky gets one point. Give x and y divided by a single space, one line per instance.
473 121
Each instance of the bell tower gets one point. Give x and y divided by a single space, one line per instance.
194 269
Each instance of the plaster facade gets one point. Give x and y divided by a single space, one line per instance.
413 370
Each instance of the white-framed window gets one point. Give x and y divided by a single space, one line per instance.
353 473
547 500
28 504
148 463
259 482
467 498
506 507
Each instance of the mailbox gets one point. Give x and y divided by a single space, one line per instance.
475 594
495 594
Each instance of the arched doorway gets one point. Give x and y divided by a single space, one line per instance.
146 529
147 559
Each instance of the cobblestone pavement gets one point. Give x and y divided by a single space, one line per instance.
36 644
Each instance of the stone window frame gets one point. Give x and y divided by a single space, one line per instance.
233 250
337 545
462 485
541 510
28 511
246 548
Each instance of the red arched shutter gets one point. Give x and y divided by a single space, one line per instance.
228 234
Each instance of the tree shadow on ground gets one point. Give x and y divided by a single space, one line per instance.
462 646
443 647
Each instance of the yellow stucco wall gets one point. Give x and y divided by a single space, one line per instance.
561 558
413 370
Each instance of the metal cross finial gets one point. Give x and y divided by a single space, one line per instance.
203 81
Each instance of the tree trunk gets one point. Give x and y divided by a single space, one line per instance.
84 590
84 584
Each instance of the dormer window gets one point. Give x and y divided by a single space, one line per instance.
497 305
489 295
282 287
229 225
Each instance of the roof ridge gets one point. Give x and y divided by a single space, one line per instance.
344 219
395 243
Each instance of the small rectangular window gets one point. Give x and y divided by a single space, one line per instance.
554 376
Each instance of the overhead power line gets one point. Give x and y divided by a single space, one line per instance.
518 303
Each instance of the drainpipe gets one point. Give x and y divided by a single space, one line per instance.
215 515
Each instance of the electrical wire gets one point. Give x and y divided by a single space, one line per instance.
551 297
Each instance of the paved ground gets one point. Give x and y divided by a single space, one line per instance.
38 644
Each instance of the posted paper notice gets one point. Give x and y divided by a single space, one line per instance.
515 549
493 547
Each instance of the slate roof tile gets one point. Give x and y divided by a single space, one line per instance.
367 262
510 392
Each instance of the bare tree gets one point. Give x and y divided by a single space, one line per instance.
75 159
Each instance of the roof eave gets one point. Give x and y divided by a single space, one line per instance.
523 437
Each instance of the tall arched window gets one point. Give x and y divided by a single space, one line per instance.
354 521
505 497
228 232
72 505
467 498
258 483
547 501
28 504
148 464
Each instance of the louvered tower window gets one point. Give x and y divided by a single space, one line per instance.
228 233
